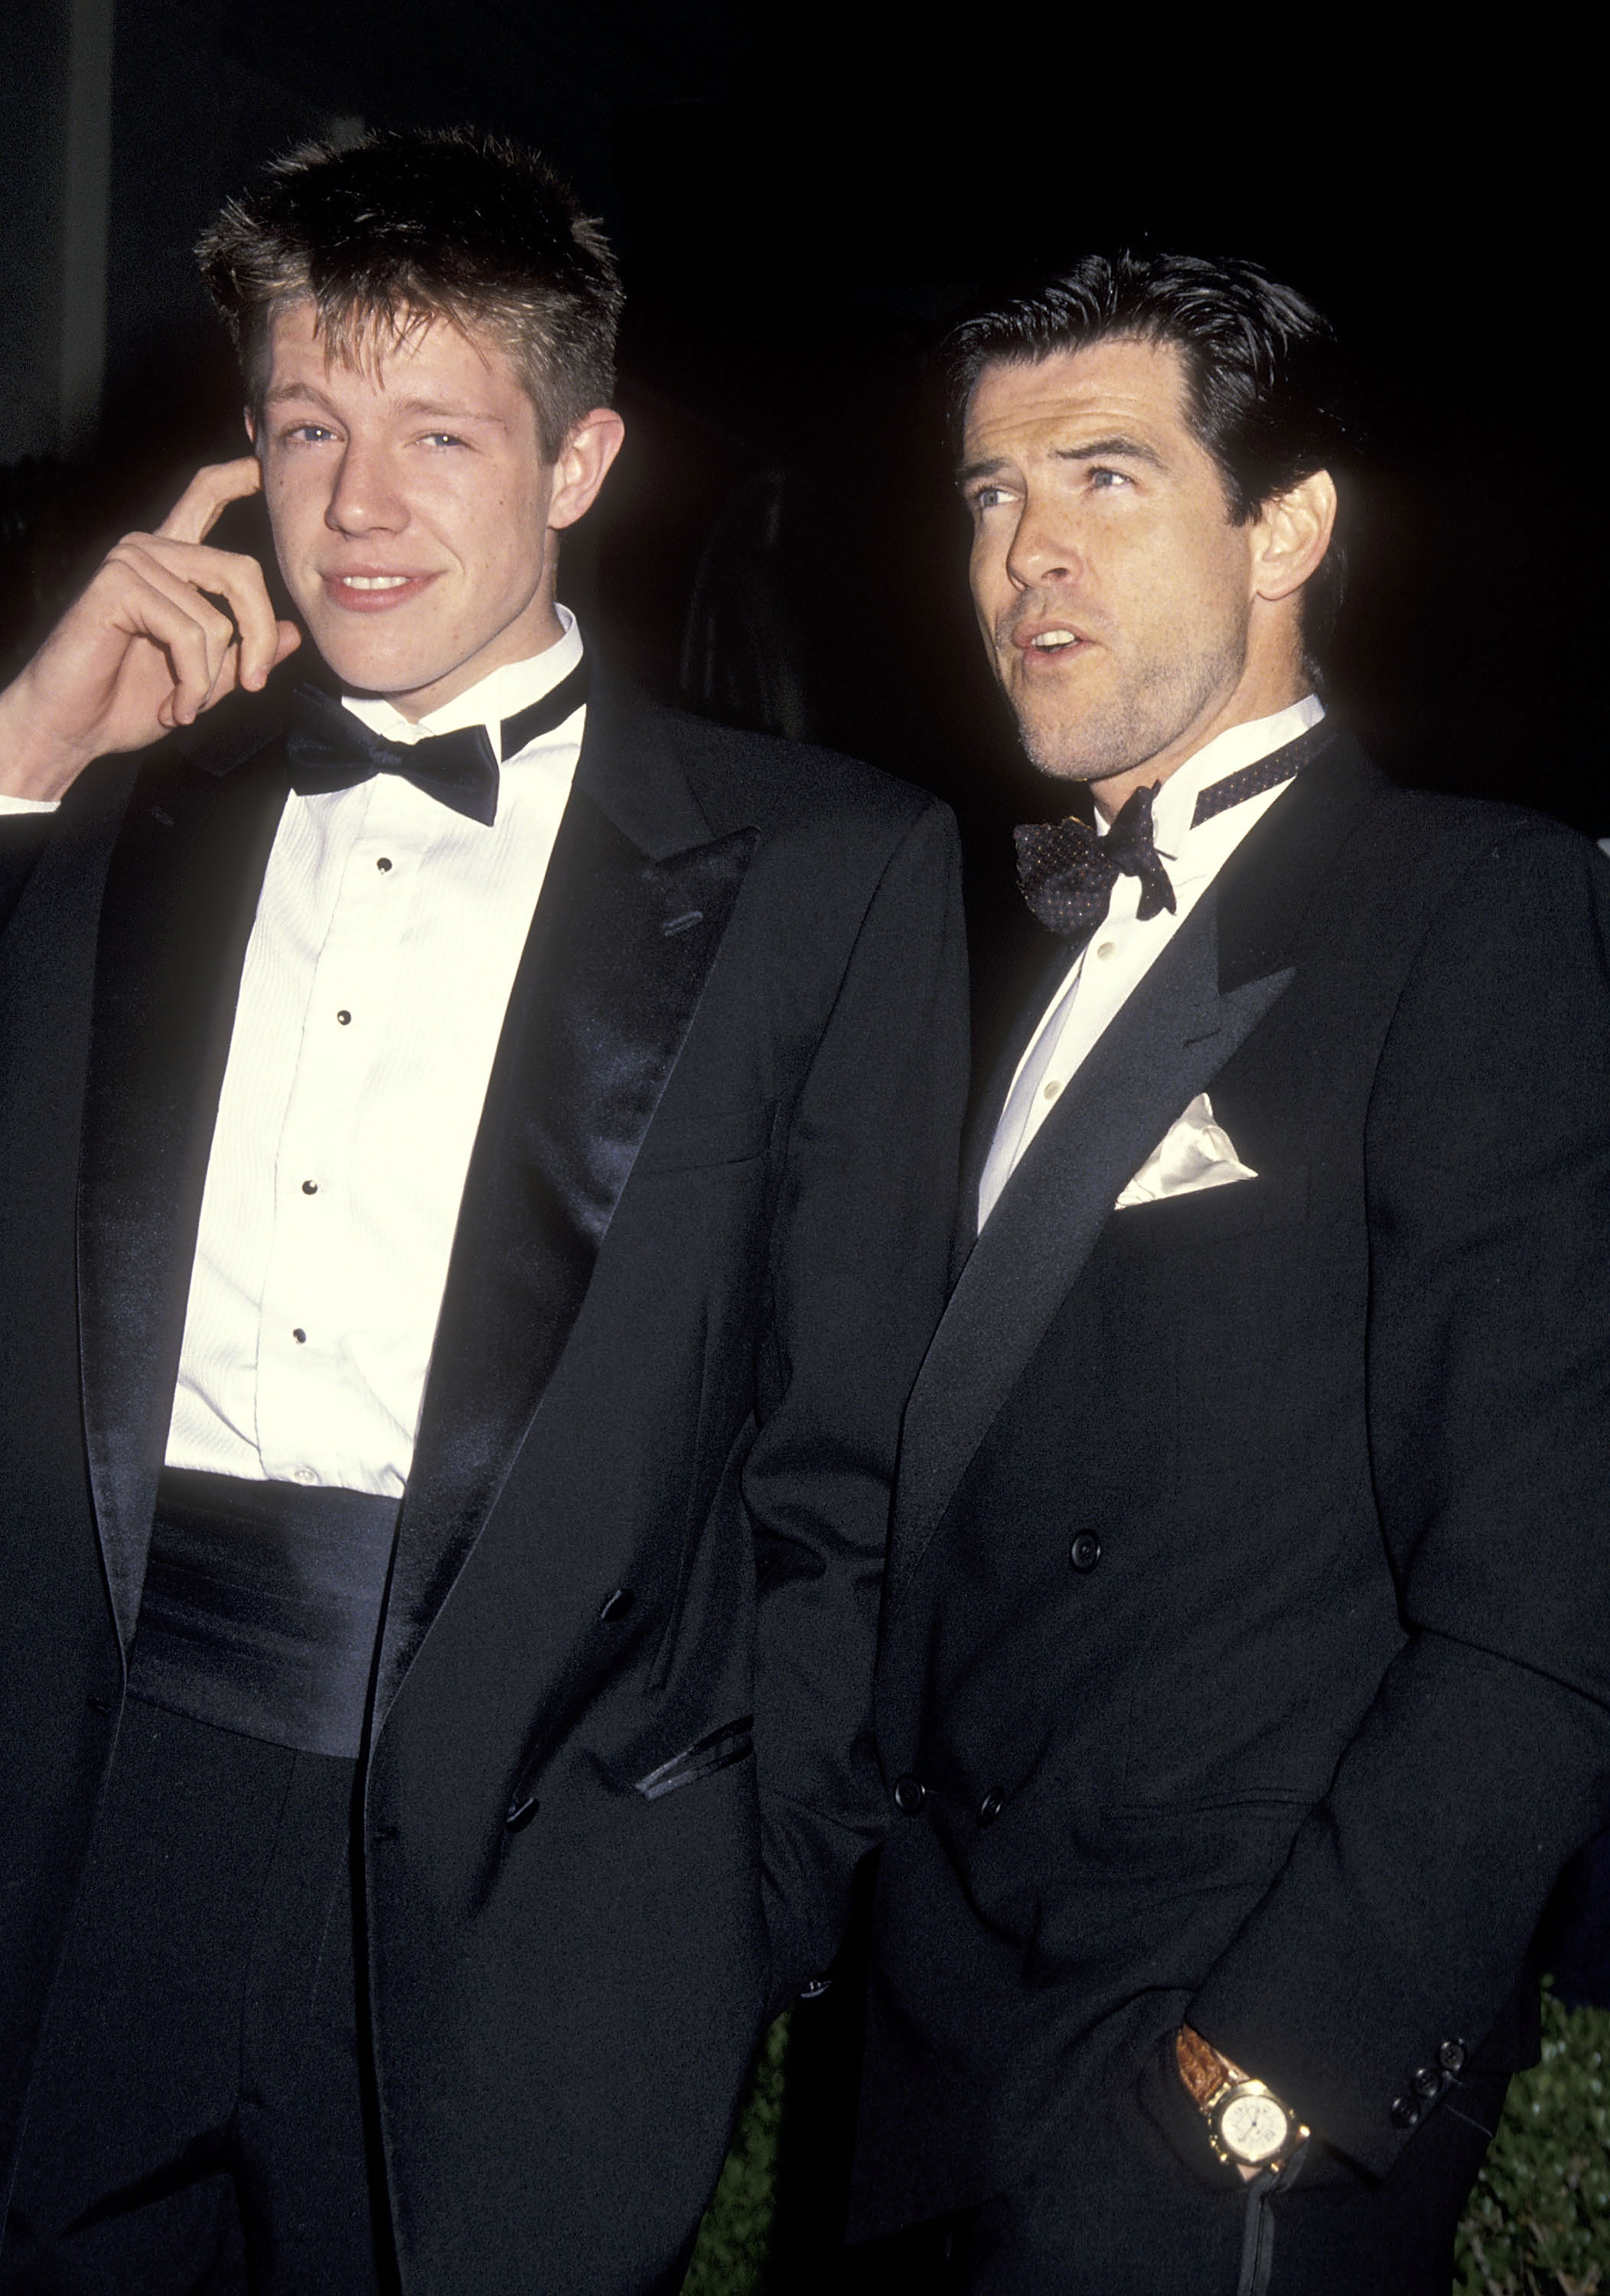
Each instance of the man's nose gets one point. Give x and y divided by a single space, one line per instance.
365 498
1042 549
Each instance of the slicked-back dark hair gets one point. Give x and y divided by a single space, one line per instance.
410 224
1263 380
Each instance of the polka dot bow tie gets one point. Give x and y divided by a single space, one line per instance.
1066 873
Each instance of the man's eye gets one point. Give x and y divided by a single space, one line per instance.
307 434
443 438
1103 478
987 497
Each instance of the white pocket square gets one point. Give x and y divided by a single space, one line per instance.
1194 1153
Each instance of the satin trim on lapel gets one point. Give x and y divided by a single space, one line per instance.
619 951
1168 1043
181 895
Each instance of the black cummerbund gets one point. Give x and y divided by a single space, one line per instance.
261 1606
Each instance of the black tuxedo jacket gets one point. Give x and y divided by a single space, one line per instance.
1246 1649
619 1770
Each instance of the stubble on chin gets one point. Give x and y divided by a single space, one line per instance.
1096 740
1085 749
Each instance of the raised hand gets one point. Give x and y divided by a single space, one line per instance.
144 648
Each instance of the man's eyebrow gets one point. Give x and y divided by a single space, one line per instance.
448 413
1118 447
291 391
288 390
988 469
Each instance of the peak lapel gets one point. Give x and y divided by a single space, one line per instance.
633 911
1165 1045
181 894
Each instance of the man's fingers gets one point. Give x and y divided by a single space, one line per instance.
221 574
208 495
230 674
208 660
197 638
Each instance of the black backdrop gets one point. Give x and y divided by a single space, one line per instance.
802 200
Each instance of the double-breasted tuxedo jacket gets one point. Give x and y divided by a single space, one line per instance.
1247 1633
619 1769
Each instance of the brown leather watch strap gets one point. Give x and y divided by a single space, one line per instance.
1201 2068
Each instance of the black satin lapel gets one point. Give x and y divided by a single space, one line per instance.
618 954
181 894
1169 1042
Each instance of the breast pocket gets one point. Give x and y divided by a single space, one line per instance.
681 1143
1202 1216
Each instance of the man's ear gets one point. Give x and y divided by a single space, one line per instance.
582 464
1292 535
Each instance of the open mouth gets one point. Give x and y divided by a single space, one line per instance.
374 592
1057 640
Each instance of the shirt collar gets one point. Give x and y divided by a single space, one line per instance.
1226 753
501 694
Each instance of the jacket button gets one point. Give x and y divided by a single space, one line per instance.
909 1794
521 1811
991 1807
1450 2057
1428 2082
1085 1551
1406 2113
615 1605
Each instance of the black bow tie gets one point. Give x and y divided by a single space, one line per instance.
1066 873
330 748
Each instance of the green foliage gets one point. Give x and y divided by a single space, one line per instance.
1538 2224
730 2257
1538 2219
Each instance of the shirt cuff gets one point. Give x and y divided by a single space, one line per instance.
29 804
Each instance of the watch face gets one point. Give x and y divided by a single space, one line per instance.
1253 2126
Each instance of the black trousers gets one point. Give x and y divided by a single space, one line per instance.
1092 2228
196 2125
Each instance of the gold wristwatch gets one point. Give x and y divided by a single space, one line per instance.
1247 2125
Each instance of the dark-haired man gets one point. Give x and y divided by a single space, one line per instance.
476 1156
1244 1678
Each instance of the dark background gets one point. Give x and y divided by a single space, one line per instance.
801 201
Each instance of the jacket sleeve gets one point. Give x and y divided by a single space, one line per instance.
860 1242
1400 1926
23 837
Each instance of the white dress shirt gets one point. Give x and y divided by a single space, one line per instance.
387 938
1122 950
